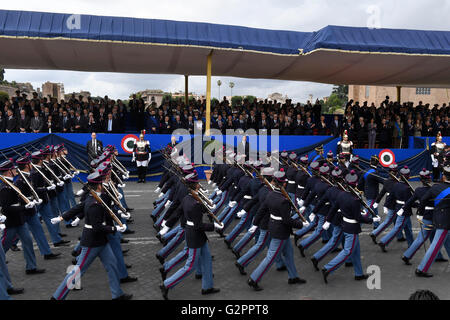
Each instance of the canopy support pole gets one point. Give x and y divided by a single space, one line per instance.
186 90
399 94
208 93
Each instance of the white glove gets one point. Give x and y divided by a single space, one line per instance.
241 213
300 202
213 207
219 192
168 203
326 225
302 209
400 212
376 219
29 205
125 215
157 190
375 205
67 177
435 163
209 182
163 223
56 220
75 222
77 172
385 210
306 224
420 218
120 196
60 184
2 218
124 177
218 226
80 192
123 185
252 229
232 204
121 229
164 230
214 185
52 187
133 159
2 227
312 216
161 195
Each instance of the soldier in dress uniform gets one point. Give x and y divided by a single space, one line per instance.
196 240
345 147
319 155
142 155
94 243
437 156
440 195
14 208
277 208
31 217
425 218
401 193
350 208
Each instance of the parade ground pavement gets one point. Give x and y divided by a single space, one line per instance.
397 281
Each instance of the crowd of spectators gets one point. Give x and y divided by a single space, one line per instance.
386 125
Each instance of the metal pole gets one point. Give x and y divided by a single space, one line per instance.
186 90
208 93
399 94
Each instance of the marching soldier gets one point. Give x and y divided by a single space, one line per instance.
94 243
437 156
350 208
13 207
196 241
440 195
142 155
277 208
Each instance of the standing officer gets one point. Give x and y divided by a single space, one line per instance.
437 156
196 240
277 207
94 243
440 194
352 217
94 147
14 210
345 147
142 155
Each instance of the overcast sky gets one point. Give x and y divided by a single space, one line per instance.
297 15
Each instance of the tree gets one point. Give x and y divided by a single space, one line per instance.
333 103
214 102
2 74
341 90
167 97
3 96
236 100
250 99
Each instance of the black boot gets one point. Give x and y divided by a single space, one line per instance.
254 285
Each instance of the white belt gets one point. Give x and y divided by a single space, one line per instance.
301 187
15 205
190 223
275 217
339 210
291 182
349 220
387 194
247 197
88 226
429 208
326 203
400 202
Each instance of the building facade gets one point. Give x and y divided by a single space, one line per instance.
54 90
377 94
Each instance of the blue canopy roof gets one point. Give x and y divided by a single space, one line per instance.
101 30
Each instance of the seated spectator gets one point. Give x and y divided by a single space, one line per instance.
36 123
11 122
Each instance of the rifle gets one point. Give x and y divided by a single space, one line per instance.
108 209
51 172
12 186
286 195
365 205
